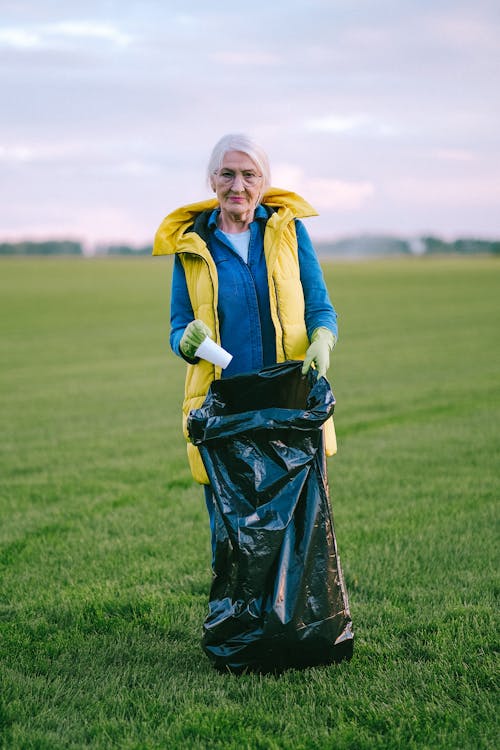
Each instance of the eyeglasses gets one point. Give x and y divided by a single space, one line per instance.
227 177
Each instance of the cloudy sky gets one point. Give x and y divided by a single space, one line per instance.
384 114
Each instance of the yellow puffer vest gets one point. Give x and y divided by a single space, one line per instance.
285 293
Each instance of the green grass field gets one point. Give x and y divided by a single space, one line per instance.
104 544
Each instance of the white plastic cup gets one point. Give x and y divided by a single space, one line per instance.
213 353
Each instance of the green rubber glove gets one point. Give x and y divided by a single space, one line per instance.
193 335
322 343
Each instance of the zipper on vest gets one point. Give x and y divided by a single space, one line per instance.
279 318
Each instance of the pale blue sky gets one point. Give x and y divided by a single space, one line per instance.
384 114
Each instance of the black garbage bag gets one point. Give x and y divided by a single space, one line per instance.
277 598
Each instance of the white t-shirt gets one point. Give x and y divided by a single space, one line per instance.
240 242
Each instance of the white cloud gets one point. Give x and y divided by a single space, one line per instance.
46 36
44 152
290 175
89 29
245 58
186 19
138 168
357 124
338 195
463 30
453 154
334 124
322 192
20 38
463 193
15 154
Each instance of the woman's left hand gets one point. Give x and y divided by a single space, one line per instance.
322 343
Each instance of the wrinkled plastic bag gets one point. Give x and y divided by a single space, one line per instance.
277 598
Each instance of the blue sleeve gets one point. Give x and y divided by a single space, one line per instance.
319 310
181 311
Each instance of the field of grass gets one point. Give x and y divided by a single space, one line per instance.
104 543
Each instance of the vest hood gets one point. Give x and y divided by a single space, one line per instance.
182 219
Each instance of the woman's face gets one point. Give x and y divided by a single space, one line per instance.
237 183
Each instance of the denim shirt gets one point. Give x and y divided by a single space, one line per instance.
245 323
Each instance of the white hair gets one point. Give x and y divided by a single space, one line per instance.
243 143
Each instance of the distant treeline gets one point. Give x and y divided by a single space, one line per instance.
50 247
356 246
123 250
379 245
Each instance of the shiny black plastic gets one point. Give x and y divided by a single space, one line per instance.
278 598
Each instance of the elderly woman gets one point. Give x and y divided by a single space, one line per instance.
246 274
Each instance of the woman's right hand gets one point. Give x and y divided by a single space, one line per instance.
193 335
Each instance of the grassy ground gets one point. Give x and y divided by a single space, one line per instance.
104 548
